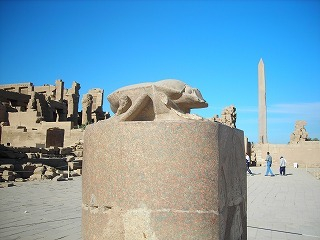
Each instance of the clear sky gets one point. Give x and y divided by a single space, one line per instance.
214 46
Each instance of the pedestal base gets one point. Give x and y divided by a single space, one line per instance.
163 180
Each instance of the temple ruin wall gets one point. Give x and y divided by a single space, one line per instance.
37 136
306 154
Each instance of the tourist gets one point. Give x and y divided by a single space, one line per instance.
283 164
269 163
248 164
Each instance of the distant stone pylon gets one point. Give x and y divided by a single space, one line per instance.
262 104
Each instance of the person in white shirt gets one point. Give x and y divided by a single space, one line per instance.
248 164
283 164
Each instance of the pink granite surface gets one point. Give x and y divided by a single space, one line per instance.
163 180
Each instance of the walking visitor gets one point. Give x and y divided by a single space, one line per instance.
248 164
269 163
283 163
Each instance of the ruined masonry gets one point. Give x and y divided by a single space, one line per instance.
44 116
40 130
300 133
228 117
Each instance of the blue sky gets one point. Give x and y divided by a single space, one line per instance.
214 46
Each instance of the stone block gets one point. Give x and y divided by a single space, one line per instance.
70 158
31 155
21 155
65 151
74 174
27 170
19 180
8 154
51 151
34 150
44 150
50 169
163 180
7 172
8 177
24 149
40 170
36 176
6 167
58 171
50 174
60 178
78 153
74 165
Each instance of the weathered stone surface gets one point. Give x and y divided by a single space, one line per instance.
31 155
6 167
19 180
28 113
70 158
7 172
36 176
72 96
299 134
24 149
27 170
74 174
97 112
306 153
49 175
228 117
87 102
11 153
263 138
34 150
162 100
40 170
66 151
78 153
61 177
50 172
44 150
163 180
8 177
74 165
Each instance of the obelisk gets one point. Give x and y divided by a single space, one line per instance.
262 104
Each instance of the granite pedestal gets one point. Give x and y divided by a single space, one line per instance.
163 180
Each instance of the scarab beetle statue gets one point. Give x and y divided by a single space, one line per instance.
168 99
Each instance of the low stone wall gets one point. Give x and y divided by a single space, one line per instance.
306 154
21 136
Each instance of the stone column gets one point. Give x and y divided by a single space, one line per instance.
86 108
262 104
59 90
73 102
163 180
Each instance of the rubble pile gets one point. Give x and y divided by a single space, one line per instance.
31 163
